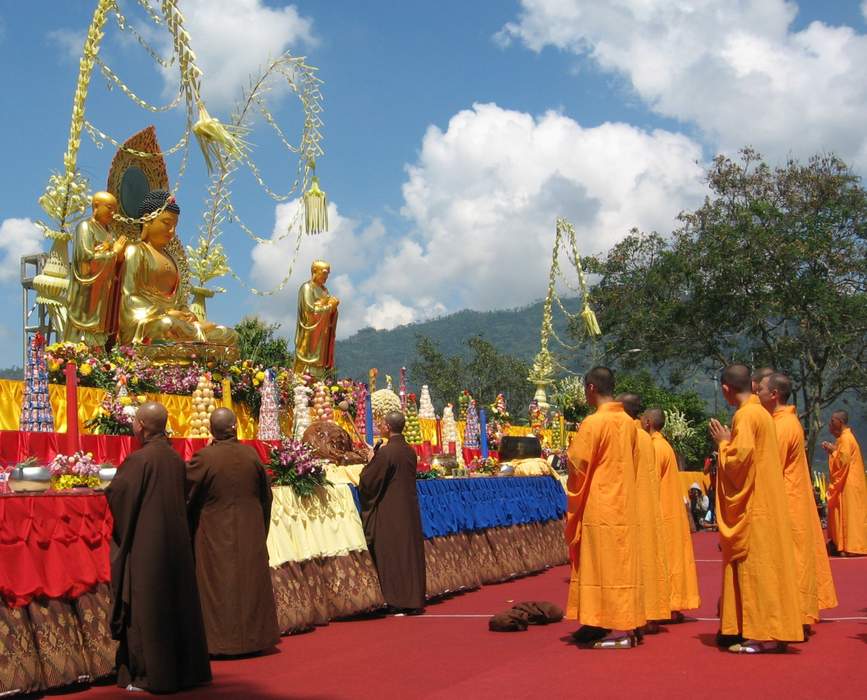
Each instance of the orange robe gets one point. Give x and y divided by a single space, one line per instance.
760 592
847 496
654 562
815 582
678 542
602 528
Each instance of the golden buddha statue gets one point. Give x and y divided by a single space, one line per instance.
95 258
317 323
152 310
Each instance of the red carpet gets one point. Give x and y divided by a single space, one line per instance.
449 653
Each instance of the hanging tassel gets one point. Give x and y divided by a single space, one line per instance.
315 209
216 140
590 321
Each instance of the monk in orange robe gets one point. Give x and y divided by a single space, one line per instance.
757 377
760 602
602 531
815 582
683 576
654 562
847 494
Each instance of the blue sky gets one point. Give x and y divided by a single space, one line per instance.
454 132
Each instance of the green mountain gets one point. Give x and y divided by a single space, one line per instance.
513 332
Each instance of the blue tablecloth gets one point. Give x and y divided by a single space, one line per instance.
457 505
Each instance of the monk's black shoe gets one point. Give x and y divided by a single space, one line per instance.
588 633
724 641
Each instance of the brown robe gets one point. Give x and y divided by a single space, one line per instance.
155 612
229 500
392 523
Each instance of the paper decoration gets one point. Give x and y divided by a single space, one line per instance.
425 405
301 413
472 432
269 409
36 415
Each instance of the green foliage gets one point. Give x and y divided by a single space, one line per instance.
695 448
14 372
487 372
258 343
770 270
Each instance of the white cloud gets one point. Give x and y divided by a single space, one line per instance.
735 69
17 237
233 39
69 41
481 201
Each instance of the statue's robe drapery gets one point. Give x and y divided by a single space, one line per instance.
760 598
602 527
815 582
847 496
675 521
229 500
654 561
315 330
392 523
155 614
151 288
91 285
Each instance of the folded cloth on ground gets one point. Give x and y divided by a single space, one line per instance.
523 614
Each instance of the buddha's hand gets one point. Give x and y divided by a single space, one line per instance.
120 246
187 316
334 302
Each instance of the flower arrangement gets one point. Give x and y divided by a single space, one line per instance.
432 474
488 466
569 395
115 415
294 464
70 471
677 429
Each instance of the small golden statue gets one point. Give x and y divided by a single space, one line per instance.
152 308
317 323
96 256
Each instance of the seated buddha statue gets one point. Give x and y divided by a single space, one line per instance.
152 310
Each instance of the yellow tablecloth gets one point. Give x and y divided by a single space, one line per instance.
348 474
325 524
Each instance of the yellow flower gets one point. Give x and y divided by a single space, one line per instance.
125 401
54 365
256 382
133 379
85 370
141 398
217 377
260 375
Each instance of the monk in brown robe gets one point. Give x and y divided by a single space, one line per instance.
229 501
847 494
815 583
155 614
760 602
391 518
654 560
602 524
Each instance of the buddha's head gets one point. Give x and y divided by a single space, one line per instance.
160 229
319 271
104 206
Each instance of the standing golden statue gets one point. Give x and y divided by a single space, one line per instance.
152 308
95 258
317 324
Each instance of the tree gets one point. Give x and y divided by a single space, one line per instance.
770 270
258 342
487 372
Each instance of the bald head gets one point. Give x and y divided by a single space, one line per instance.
842 416
737 377
151 418
395 420
781 384
598 384
654 418
631 404
223 424
758 375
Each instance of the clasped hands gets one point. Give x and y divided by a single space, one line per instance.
118 247
828 446
719 432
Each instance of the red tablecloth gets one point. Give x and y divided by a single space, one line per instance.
53 545
16 446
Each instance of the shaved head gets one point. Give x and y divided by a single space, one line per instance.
602 378
395 420
737 378
151 419
631 404
780 383
655 417
842 416
761 373
223 424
